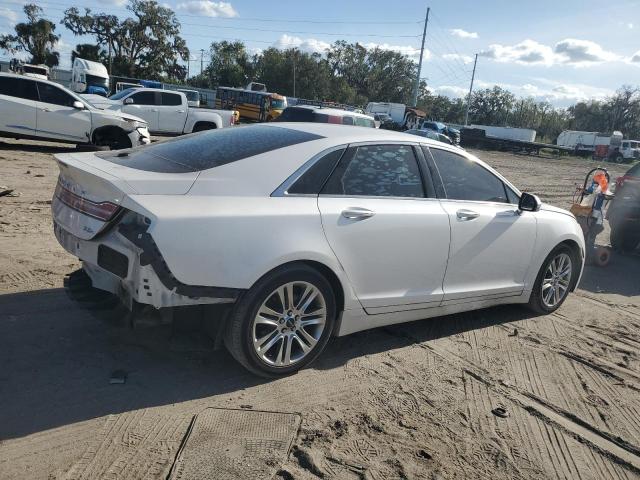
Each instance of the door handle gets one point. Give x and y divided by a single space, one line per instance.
45 109
180 111
154 109
357 213
466 215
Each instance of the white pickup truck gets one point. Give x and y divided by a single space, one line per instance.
166 111
38 109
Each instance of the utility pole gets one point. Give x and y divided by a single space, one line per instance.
188 66
417 85
473 76
201 60
295 54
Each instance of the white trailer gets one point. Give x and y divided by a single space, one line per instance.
507 133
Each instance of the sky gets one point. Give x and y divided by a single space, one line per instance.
560 51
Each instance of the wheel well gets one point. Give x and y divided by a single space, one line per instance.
107 131
332 278
575 248
211 125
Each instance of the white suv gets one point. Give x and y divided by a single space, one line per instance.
44 110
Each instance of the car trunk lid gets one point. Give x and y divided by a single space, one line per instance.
90 191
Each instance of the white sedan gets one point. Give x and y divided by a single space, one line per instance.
311 230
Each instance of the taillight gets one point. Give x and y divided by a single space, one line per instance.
102 211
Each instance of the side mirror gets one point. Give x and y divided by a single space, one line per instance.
128 101
78 105
529 203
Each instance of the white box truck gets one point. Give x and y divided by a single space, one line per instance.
404 117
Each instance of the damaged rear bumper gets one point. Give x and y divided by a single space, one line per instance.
126 262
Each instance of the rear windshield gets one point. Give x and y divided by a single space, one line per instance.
208 149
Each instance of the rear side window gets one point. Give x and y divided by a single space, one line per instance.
144 98
347 120
171 99
464 179
18 87
52 94
377 171
201 151
312 180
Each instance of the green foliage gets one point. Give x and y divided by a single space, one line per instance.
145 45
36 36
89 52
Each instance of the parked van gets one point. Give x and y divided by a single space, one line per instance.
308 113
89 77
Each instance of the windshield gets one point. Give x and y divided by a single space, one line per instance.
277 104
121 94
192 95
97 81
36 70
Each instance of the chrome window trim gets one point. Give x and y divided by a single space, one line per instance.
281 191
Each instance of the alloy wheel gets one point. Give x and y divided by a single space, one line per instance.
289 324
556 280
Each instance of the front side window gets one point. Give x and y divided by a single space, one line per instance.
52 94
18 87
144 98
464 179
377 171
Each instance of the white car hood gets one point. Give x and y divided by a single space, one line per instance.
119 115
550 208
101 102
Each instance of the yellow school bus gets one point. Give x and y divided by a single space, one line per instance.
256 106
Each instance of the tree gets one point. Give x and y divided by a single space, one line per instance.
230 64
35 36
144 45
491 106
89 52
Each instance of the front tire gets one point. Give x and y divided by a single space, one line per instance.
283 322
555 280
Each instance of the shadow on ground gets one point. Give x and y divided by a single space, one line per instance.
57 360
45 147
621 276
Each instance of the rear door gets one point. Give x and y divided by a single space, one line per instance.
144 104
386 228
172 112
18 97
491 242
57 118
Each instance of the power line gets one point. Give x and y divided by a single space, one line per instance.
274 20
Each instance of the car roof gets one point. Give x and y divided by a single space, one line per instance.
351 133
331 111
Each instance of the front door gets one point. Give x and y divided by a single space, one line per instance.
58 118
144 104
172 113
491 241
391 240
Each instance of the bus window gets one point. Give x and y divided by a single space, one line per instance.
277 103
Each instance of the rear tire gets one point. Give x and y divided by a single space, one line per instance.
622 240
277 328
551 287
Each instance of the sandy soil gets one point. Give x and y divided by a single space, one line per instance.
410 401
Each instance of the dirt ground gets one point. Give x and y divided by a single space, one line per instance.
415 401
